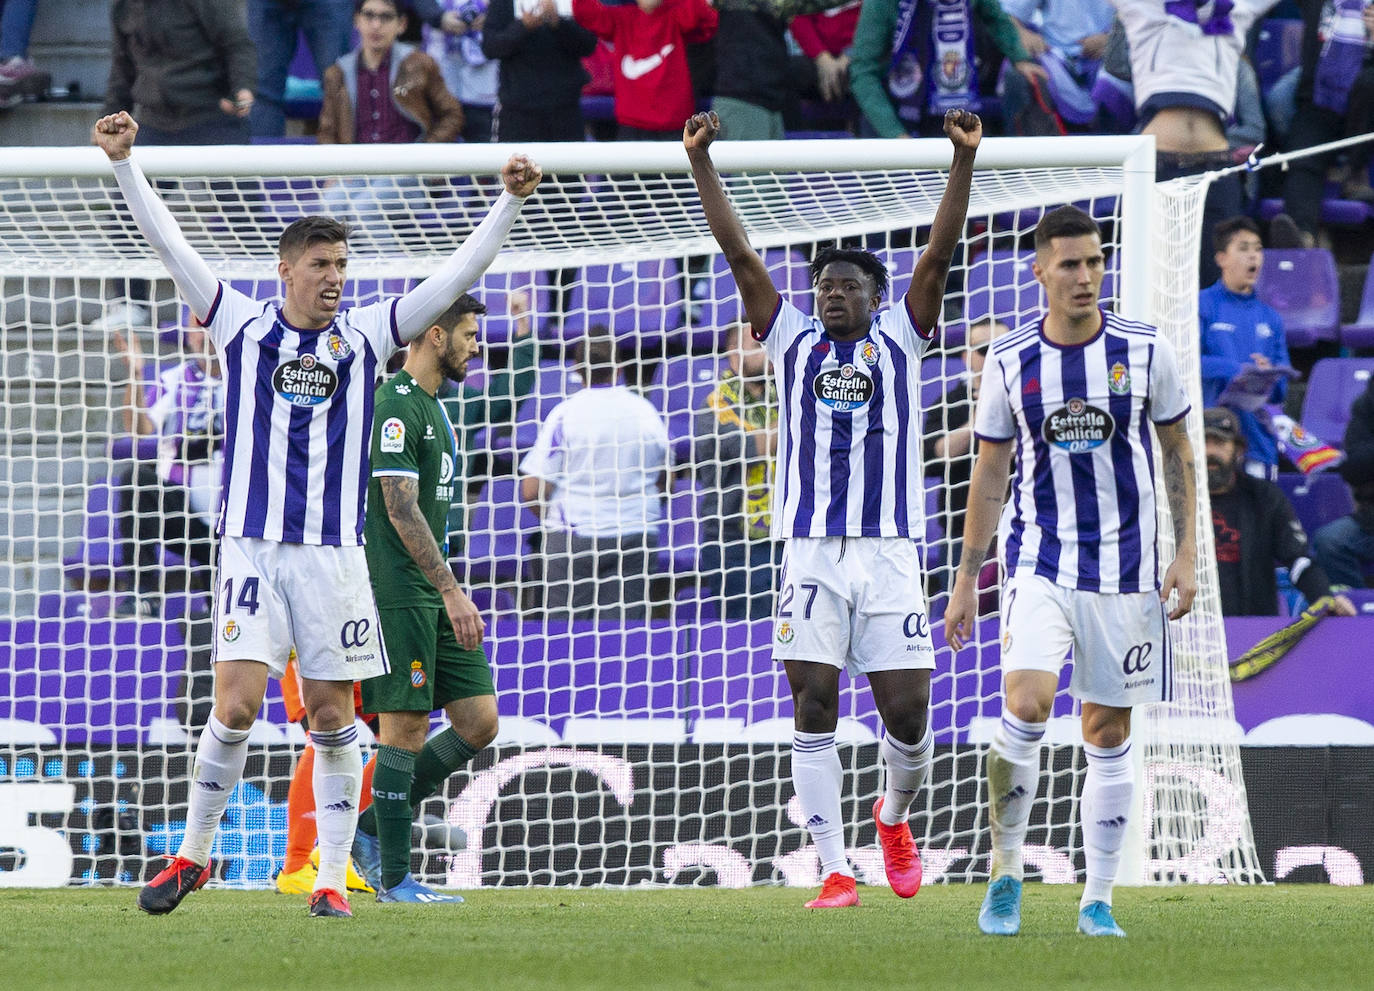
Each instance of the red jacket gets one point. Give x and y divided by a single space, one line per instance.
829 31
653 89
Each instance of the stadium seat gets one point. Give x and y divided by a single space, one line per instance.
1302 285
1335 210
1333 385
1000 284
493 289
939 374
900 262
100 553
498 535
638 301
1317 499
554 382
679 534
681 383
1360 334
722 306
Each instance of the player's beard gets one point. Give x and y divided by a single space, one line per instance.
454 367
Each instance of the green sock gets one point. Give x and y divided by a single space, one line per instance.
391 800
443 754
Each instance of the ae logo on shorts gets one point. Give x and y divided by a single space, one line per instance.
1137 658
354 633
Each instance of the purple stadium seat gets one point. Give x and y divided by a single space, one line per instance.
1337 211
1317 499
1303 287
638 301
939 373
498 603
554 382
498 533
498 326
1360 334
1332 387
679 539
1000 284
681 383
263 289
1278 48
722 306
900 262
100 553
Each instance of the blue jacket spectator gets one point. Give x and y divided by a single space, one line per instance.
1239 330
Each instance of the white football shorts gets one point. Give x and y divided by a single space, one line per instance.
857 603
1120 643
272 596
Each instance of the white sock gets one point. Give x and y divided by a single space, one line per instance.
217 770
1106 808
817 776
338 781
906 766
1013 768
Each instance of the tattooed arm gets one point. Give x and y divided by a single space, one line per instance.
1180 484
401 495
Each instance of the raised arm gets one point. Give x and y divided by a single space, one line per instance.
926 295
751 275
401 495
197 284
419 308
987 492
1180 485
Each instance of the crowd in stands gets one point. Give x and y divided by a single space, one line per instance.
1206 79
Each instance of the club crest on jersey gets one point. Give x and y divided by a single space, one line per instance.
843 389
339 349
393 436
1077 427
785 633
232 630
304 381
1119 380
445 469
869 353
417 674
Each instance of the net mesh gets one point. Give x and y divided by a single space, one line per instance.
645 739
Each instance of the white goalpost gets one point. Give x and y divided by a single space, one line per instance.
645 739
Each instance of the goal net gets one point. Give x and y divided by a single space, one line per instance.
645 729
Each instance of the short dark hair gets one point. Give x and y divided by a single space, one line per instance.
1225 230
1066 221
400 6
301 234
869 263
458 309
596 355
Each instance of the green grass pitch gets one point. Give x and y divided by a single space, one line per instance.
1281 937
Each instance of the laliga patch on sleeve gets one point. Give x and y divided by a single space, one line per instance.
393 436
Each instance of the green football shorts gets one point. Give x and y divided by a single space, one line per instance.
428 668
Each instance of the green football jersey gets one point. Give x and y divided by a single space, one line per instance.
412 438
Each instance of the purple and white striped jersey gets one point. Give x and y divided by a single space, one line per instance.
1082 506
297 418
849 444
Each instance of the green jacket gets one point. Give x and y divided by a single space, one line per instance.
870 56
